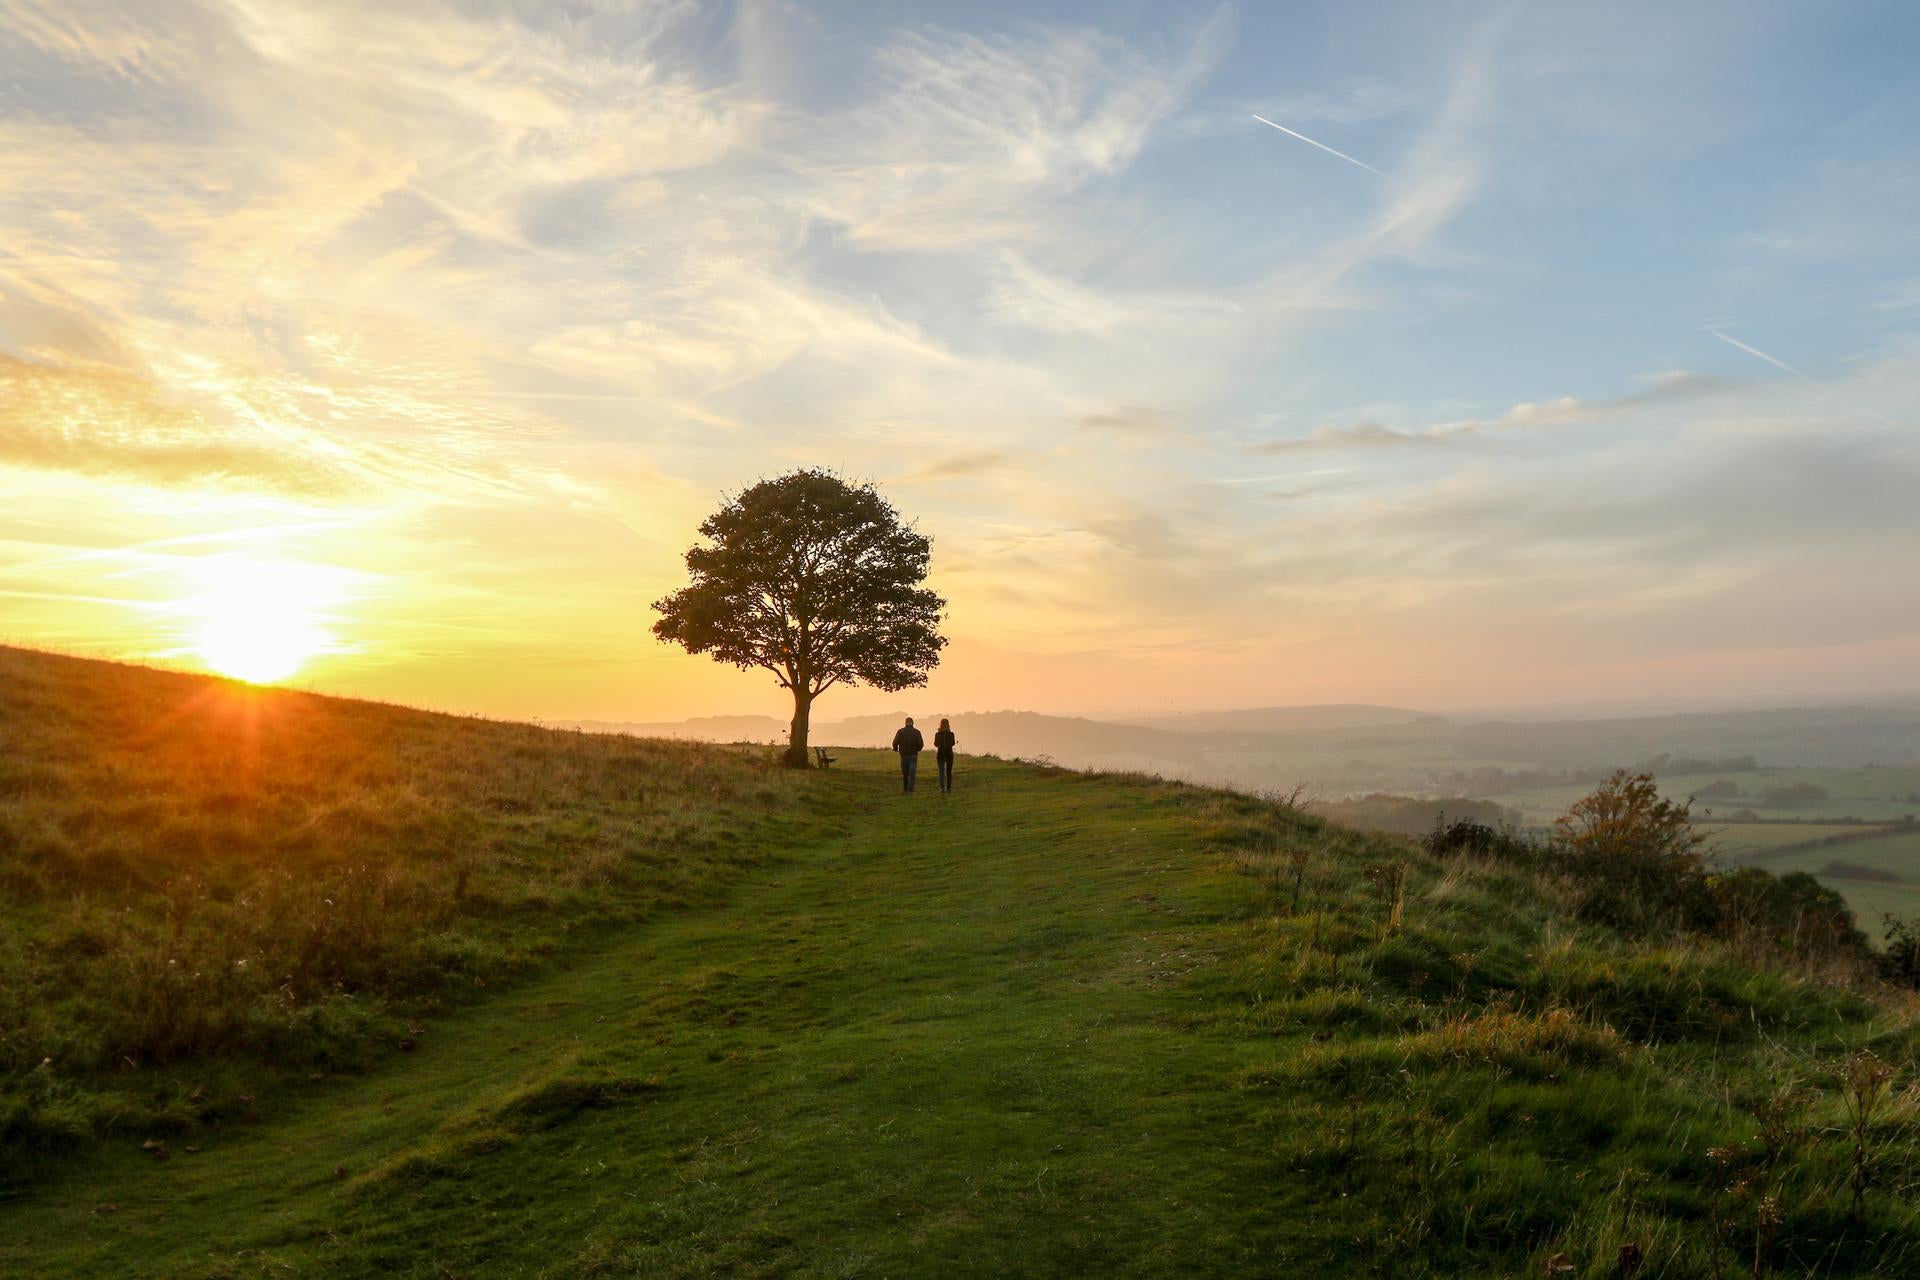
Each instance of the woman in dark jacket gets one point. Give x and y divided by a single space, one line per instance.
943 755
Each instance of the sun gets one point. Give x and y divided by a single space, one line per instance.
257 621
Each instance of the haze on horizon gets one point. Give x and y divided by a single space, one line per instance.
1540 357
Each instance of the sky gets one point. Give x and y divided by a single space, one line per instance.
1434 354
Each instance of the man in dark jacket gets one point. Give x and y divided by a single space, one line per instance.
909 744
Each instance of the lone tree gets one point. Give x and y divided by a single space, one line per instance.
816 580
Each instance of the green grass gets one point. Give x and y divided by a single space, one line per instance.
1875 794
206 887
1752 841
1055 1024
1895 854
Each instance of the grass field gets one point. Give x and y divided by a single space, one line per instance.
1874 794
1751 841
200 878
1894 854
1053 1025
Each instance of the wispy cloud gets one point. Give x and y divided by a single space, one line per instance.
956 466
103 421
977 135
1360 435
1660 389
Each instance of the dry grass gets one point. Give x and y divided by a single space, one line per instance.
195 870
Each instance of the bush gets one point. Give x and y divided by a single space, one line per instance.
1900 962
1638 855
1635 861
1793 912
1409 816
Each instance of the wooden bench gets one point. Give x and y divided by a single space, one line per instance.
820 754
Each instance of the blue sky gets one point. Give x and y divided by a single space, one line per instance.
1593 381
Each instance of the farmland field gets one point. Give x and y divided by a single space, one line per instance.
1874 793
1896 853
1751 841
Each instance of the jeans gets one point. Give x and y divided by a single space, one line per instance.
946 772
909 765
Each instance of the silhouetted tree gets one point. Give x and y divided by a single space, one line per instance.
817 581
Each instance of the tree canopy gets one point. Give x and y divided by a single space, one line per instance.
815 580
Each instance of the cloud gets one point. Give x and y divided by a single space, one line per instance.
976 134
1660 389
1141 422
102 421
1904 296
1360 435
958 465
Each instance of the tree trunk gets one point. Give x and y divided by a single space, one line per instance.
797 755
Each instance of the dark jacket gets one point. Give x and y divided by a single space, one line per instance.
943 742
908 741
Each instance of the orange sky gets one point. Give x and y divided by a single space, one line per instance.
400 354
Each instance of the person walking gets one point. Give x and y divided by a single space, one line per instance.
908 742
943 754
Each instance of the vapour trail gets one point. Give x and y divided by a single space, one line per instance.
1758 354
1323 146
1826 395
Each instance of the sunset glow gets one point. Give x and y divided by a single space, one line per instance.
1441 356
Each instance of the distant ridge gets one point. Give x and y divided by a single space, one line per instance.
1355 748
698 728
1069 740
1354 715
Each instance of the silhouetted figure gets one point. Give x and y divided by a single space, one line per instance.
943 754
908 742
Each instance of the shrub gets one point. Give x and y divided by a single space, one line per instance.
1639 855
1793 912
1900 961
1635 861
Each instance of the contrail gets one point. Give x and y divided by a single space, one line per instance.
1811 381
1323 146
1758 354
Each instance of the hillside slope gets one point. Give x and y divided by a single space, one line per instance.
206 886
1055 1024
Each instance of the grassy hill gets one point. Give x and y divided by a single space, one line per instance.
741 1021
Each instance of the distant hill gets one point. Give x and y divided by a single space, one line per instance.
1283 719
698 729
1067 740
1356 749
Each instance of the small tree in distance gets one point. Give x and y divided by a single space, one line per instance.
817 581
